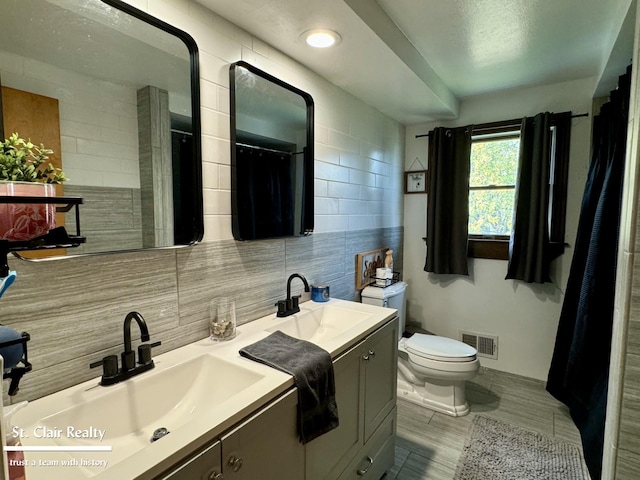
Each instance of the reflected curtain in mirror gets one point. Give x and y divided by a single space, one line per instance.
265 193
448 202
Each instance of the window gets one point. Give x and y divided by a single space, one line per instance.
492 184
492 180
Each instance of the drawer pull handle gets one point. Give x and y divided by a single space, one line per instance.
235 463
364 471
215 476
372 353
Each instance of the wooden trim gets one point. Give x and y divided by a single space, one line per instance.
488 248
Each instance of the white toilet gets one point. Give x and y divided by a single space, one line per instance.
432 370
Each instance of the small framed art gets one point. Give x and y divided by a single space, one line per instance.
415 182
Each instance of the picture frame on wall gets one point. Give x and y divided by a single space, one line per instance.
415 181
366 264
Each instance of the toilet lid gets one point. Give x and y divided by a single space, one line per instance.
440 348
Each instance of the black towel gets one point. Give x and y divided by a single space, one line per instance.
312 372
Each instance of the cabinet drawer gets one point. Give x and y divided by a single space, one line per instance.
203 466
378 454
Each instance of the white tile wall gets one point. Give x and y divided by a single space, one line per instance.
96 126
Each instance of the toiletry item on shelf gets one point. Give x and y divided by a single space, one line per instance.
6 282
320 293
383 277
222 318
388 260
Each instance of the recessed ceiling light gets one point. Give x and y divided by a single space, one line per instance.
321 38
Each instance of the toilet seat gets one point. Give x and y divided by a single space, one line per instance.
441 349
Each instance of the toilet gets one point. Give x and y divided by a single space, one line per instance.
432 370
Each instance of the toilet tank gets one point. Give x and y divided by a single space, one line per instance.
392 296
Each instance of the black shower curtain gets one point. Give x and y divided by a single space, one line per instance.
580 365
266 194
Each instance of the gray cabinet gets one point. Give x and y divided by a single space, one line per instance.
205 465
363 445
265 446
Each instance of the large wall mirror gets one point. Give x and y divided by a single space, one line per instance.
271 156
115 93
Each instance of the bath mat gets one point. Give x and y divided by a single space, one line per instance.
499 451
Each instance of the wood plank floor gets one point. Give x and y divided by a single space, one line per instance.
429 444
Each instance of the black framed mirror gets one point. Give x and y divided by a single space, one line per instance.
125 93
271 156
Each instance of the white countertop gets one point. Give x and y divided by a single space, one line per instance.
145 460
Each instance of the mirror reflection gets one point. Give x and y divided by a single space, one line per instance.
114 92
271 156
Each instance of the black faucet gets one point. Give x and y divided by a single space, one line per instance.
110 372
129 356
290 305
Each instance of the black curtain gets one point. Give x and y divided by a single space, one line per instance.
448 201
579 370
266 193
529 243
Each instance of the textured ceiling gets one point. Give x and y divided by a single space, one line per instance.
415 59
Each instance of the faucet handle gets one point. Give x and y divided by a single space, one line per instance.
282 308
144 352
109 365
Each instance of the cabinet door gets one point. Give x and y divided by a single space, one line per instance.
329 454
380 359
203 466
266 446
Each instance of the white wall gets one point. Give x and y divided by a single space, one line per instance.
98 121
524 317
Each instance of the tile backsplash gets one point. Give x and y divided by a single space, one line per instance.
74 308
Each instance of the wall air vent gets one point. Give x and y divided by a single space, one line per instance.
486 345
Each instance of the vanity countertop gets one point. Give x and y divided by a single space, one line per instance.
195 382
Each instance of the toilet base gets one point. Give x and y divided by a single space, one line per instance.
446 397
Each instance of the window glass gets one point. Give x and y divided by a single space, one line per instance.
494 169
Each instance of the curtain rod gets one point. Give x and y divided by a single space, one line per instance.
264 149
514 121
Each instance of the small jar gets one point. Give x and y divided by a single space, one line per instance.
222 319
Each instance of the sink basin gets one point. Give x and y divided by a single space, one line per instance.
129 412
322 324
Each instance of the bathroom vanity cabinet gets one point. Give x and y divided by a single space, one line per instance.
248 451
266 445
363 445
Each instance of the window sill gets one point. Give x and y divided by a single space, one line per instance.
495 249
488 248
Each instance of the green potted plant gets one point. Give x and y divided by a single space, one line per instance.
24 171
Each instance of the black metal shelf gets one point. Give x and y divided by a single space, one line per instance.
15 373
55 238
384 282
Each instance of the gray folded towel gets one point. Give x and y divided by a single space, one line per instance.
312 372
